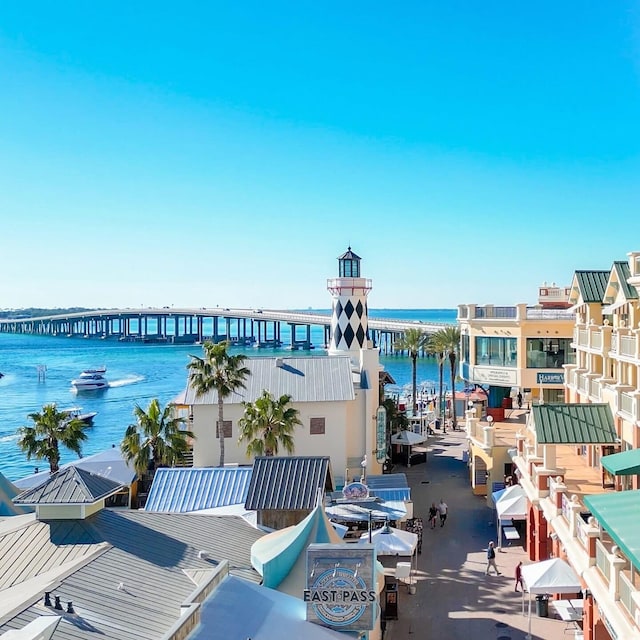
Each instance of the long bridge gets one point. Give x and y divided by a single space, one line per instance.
257 327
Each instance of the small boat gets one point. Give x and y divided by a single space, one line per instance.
91 380
77 414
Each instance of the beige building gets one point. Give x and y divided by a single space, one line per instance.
337 395
508 351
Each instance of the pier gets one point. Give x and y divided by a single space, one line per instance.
261 328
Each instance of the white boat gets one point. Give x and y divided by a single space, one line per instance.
77 414
91 380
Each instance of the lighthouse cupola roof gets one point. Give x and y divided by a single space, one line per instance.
349 265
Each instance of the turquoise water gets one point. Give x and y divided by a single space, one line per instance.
137 373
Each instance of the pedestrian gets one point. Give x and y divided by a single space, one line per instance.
518 576
442 509
519 399
491 560
433 514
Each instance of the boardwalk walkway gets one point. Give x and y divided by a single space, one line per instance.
454 598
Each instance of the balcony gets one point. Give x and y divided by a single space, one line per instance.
593 338
629 405
595 389
625 345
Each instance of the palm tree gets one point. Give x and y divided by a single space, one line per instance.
414 341
268 423
157 439
449 341
220 371
436 346
50 429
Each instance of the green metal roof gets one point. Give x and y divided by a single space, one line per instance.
625 463
592 284
623 271
617 513
574 424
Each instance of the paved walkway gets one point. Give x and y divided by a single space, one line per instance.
454 599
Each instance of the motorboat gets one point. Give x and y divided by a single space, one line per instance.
76 413
91 380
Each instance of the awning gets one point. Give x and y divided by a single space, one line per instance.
625 463
617 513
610 308
408 438
359 512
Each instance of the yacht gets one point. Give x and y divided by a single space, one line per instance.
91 380
77 414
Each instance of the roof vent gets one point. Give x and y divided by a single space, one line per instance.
47 598
58 604
70 608
279 362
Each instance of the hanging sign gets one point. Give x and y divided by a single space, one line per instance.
381 434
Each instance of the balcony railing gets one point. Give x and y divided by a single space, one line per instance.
496 312
583 383
626 591
583 337
595 389
602 560
627 346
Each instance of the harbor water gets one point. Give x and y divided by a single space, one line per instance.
38 370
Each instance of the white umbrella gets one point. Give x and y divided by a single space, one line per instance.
511 505
407 438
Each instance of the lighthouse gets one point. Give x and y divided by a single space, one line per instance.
349 318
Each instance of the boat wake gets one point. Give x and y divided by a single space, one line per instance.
9 438
126 381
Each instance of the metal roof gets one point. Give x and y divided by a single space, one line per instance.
359 511
400 494
387 481
574 424
625 463
624 273
191 489
349 255
311 379
592 284
617 513
134 589
288 482
69 486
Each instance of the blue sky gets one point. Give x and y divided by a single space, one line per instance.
226 153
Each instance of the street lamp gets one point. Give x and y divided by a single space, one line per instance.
490 420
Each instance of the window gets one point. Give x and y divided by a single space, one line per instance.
226 429
496 352
549 353
316 426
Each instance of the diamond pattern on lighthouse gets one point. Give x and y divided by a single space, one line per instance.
349 328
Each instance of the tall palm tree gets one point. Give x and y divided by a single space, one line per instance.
414 341
157 439
50 429
220 371
449 341
437 347
268 423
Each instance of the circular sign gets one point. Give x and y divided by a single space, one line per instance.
356 491
339 597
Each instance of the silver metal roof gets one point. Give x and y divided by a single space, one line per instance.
311 379
288 482
69 486
181 490
134 589
387 481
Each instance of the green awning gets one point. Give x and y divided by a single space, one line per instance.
617 513
625 463
574 424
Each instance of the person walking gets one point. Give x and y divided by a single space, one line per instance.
518 576
491 560
442 509
519 399
433 514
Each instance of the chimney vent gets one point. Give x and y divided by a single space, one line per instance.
47 598
70 608
279 362
57 605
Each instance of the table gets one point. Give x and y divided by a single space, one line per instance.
569 610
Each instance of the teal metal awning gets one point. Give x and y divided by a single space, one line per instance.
625 463
617 513
574 424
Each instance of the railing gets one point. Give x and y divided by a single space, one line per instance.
595 389
583 383
583 337
496 312
627 346
566 511
581 531
627 404
535 313
602 560
626 591
596 339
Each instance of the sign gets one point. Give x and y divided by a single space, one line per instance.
341 586
550 378
355 491
381 434
498 376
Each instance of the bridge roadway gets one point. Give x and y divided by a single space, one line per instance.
133 324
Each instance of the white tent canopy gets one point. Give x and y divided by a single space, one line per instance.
407 438
511 505
548 576
389 541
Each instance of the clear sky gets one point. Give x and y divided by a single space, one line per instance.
203 153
